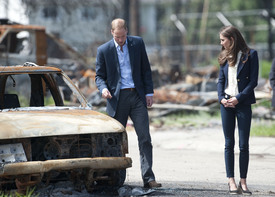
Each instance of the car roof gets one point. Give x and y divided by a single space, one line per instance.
4 70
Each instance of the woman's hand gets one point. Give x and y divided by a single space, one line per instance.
228 103
234 101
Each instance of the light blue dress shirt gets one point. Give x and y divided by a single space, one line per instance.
125 67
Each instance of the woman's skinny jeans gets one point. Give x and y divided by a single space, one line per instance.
243 115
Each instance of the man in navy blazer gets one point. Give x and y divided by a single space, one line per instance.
123 77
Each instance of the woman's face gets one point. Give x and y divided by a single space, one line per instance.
225 42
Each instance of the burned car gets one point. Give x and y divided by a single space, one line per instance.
44 137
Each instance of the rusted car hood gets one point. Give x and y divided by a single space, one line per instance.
64 121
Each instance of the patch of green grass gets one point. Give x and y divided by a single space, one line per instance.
263 128
24 102
265 67
29 193
186 119
263 102
48 101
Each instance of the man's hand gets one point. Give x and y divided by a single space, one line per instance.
106 94
149 101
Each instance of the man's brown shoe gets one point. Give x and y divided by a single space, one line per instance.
152 184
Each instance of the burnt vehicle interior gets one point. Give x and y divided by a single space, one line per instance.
33 90
49 89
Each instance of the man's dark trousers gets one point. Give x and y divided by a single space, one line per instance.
130 104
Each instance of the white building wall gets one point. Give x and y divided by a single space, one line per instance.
13 10
148 22
70 25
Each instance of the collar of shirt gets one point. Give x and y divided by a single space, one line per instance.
125 67
116 44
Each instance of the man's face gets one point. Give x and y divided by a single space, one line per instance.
120 36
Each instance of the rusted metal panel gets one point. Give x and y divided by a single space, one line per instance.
41 47
6 29
3 33
22 27
26 181
34 167
74 88
4 70
125 142
20 124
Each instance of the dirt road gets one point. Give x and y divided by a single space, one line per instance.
191 163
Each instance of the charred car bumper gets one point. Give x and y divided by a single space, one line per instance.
33 167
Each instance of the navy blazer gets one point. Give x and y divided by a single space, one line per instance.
108 70
247 78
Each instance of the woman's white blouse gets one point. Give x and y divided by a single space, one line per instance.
232 86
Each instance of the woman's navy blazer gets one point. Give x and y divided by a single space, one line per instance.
247 78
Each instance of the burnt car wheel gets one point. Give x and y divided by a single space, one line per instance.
121 177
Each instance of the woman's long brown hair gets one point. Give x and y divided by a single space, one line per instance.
237 44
